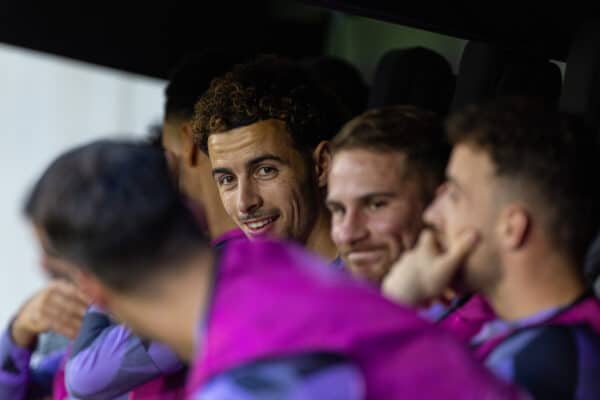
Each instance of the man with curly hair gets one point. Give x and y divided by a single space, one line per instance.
265 126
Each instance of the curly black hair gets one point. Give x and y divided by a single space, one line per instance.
552 154
269 87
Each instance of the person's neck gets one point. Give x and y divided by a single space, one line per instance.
186 297
202 190
319 241
217 219
534 283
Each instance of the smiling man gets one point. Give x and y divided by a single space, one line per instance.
386 166
265 127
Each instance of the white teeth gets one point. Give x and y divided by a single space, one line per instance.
261 224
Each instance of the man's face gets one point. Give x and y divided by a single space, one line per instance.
264 182
52 263
376 210
468 200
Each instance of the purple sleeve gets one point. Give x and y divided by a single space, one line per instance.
287 379
108 360
14 368
18 379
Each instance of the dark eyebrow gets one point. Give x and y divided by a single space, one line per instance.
330 202
363 199
370 196
218 171
265 157
250 164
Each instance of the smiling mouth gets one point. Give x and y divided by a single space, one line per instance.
261 225
364 256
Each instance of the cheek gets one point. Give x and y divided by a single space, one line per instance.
285 194
454 222
460 218
229 200
386 228
399 231
336 229
274 194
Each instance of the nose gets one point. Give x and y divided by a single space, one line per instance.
249 199
433 213
349 229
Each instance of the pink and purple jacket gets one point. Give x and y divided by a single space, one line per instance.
273 300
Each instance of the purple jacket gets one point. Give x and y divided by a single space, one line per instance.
273 300
585 312
466 320
553 354
19 381
108 360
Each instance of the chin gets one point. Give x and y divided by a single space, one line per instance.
368 274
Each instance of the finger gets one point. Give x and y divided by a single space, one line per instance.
66 288
428 243
74 295
65 305
67 319
443 268
426 239
459 250
84 298
72 290
69 331
65 324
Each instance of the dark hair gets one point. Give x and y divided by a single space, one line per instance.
552 154
269 88
417 133
154 136
191 78
110 207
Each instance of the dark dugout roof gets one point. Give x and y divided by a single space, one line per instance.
149 37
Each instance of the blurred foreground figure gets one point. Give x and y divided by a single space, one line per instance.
107 352
35 346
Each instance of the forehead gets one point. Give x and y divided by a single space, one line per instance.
358 172
470 166
237 146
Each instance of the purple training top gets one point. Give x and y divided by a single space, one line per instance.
273 300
